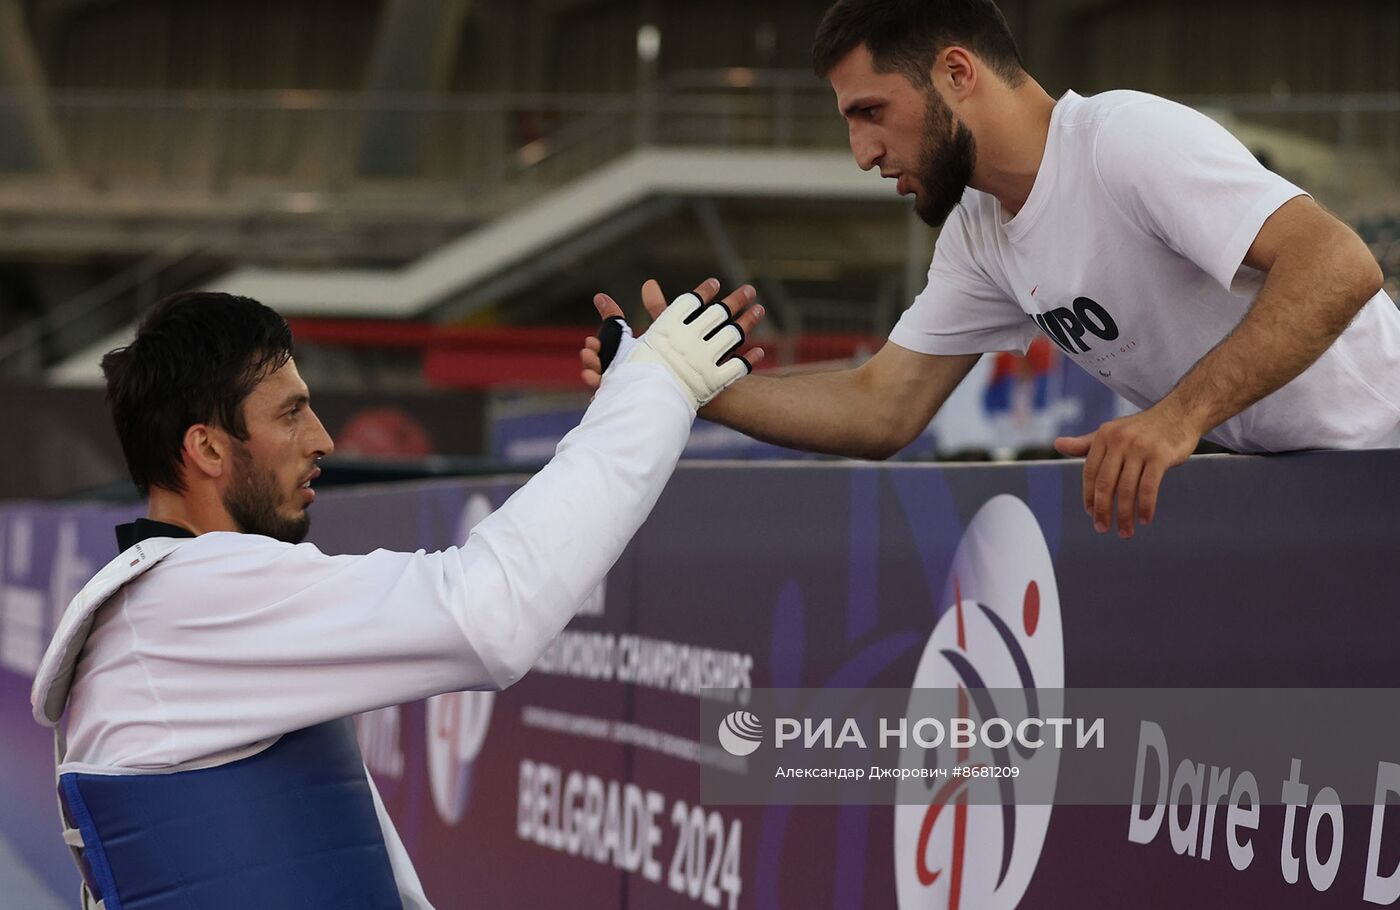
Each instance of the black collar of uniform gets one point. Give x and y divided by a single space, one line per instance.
132 533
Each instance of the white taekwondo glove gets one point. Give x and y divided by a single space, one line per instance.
689 338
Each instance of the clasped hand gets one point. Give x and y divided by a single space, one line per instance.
693 360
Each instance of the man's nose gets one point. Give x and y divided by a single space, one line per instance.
866 150
320 440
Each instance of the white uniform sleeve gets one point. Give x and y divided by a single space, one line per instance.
1186 180
531 563
961 310
235 638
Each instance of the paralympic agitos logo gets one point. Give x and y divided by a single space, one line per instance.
1001 630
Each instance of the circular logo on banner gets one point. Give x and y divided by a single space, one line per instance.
457 721
740 733
1001 631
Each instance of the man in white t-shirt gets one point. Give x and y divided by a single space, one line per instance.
1137 234
207 672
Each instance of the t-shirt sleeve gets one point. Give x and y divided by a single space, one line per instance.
1185 179
961 310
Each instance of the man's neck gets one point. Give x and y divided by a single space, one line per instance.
1011 146
193 513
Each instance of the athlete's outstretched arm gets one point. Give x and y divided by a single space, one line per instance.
871 411
309 637
528 566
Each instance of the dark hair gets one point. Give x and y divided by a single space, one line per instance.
905 36
195 358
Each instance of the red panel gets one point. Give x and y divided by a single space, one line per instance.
533 356
459 368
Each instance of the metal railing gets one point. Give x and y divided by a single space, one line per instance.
477 147
469 147
133 290
480 155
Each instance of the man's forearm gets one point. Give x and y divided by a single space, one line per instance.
829 411
1308 300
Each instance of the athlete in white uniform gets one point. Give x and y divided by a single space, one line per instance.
1139 235
215 635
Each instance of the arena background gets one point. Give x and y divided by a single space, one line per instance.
433 189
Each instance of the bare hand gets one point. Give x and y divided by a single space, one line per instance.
740 302
1124 461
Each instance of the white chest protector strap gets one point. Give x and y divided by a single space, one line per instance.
294 826
49 696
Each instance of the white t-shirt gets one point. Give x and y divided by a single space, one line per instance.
1128 254
235 639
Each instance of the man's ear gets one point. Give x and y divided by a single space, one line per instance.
206 450
955 71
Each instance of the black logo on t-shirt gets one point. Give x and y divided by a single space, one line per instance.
1067 327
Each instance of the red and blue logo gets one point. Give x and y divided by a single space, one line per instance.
999 636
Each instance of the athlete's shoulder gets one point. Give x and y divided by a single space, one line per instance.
1117 105
230 551
213 571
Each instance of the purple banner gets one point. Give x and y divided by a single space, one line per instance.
580 786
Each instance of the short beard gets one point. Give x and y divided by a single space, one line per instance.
945 162
252 499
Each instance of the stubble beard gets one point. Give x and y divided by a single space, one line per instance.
253 498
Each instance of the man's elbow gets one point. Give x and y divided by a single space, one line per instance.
868 447
1346 274
501 661
1364 278
506 673
1363 281
505 681
1370 279
893 441
881 451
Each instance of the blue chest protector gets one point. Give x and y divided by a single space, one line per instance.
291 827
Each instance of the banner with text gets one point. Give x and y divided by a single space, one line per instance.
782 592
